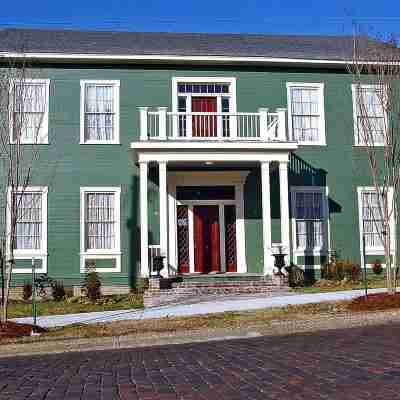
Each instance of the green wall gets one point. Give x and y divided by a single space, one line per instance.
68 166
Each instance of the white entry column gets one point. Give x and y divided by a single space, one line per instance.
162 187
144 227
266 216
284 205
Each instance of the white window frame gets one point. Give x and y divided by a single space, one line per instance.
321 107
320 250
44 136
27 254
354 86
116 93
114 253
376 250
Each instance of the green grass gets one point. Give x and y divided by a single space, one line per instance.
373 282
19 308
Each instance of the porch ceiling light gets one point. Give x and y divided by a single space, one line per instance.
209 163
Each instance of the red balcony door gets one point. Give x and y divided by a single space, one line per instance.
206 239
204 125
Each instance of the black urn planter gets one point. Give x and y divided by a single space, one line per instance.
279 262
158 265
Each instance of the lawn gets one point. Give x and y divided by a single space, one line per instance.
176 325
373 282
20 308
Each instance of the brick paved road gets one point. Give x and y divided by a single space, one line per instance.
353 364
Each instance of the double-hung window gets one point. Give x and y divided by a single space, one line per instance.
30 109
28 208
99 112
309 219
371 221
100 227
369 115
306 113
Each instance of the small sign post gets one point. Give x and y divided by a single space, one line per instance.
34 311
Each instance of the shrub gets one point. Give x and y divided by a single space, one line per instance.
339 270
58 291
92 285
296 276
27 291
377 267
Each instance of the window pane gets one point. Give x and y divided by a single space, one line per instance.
305 114
29 109
309 220
100 221
372 221
29 221
99 112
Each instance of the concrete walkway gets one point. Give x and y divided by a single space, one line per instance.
222 304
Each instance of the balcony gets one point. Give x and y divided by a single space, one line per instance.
261 126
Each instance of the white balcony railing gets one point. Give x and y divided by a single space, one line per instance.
260 126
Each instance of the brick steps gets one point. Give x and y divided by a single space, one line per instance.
179 291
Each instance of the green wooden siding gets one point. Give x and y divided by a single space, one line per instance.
69 165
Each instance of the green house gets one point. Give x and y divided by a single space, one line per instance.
214 151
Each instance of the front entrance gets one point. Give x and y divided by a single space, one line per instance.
207 256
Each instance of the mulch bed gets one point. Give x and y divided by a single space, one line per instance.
12 330
375 302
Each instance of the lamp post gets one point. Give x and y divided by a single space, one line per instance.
34 311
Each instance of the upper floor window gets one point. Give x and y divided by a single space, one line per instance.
30 105
369 115
306 112
310 218
99 112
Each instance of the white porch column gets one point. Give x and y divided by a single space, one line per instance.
162 187
144 228
266 215
284 203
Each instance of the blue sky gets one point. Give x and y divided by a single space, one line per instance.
253 16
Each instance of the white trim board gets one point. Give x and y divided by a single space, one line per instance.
174 58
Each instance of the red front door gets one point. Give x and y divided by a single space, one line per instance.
204 125
206 239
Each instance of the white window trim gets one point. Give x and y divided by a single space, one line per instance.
377 250
116 87
354 87
205 79
114 253
321 106
317 251
45 120
38 254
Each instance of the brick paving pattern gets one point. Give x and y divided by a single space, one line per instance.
351 364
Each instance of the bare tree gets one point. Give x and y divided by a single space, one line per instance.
22 110
375 69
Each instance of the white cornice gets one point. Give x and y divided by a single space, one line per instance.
156 59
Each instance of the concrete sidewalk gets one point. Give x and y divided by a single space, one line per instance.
217 305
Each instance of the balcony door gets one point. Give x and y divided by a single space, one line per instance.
204 125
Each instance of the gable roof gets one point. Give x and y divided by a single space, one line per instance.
184 44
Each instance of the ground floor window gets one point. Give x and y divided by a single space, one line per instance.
29 207
309 212
100 228
370 218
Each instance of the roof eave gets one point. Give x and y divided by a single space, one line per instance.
165 59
